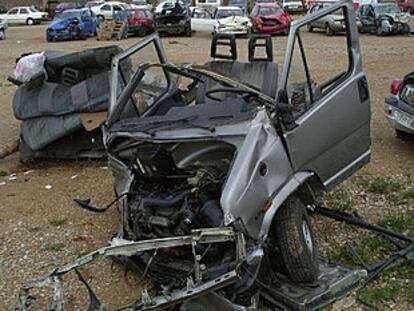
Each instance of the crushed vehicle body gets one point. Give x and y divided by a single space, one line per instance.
384 18
72 24
399 107
215 175
62 105
172 18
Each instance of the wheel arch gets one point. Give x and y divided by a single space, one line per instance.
306 185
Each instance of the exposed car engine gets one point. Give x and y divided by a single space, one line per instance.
186 199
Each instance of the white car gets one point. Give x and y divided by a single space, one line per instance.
225 19
108 9
24 15
293 6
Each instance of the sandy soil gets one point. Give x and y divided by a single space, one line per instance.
33 220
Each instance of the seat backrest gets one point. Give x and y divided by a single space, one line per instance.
260 74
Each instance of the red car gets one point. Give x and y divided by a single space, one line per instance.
406 5
140 21
269 18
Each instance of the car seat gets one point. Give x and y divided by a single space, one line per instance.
260 73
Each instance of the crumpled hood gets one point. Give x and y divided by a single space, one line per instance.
62 23
281 18
398 17
233 21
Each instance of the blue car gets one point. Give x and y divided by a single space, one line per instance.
72 24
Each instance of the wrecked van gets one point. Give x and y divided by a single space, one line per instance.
216 168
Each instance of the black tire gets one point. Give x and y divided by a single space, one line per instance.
30 22
310 28
295 242
2 34
328 30
101 18
48 38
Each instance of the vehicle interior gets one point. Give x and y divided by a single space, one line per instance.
198 99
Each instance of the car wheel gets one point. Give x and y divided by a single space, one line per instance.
310 28
81 34
328 30
295 242
30 22
101 18
2 34
48 38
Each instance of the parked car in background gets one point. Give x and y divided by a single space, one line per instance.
332 23
269 18
67 6
225 19
383 18
294 6
24 15
399 107
3 27
108 9
140 21
91 4
173 17
72 24
406 5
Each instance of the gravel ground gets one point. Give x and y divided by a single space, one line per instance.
43 228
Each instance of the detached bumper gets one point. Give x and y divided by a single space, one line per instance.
399 114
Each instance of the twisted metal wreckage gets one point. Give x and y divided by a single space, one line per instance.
216 179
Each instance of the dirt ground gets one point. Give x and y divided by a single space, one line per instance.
41 228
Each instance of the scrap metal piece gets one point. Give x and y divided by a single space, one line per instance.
334 282
122 247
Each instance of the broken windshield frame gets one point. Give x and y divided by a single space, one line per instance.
119 100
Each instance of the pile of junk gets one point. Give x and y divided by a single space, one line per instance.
61 100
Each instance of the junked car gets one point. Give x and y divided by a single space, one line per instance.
399 107
3 27
140 21
216 174
294 6
269 18
72 24
108 9
331 24
173 17
24 15
384 18
224 19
